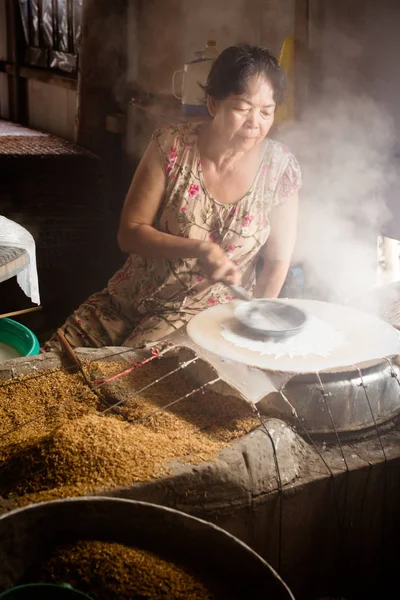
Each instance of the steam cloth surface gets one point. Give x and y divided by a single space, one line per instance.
317 338
14 236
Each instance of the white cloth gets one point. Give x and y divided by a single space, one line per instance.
15 236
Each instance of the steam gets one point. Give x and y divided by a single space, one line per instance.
344 143
227 26
345 147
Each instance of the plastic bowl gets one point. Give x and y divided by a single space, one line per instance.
44 591
19 337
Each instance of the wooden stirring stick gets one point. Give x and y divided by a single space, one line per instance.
21 312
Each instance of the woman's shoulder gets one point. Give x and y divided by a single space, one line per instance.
177 145
278 150
180 134
282 159
283 169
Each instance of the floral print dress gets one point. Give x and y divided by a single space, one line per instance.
149 298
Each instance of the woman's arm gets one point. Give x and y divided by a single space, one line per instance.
278 250
136 233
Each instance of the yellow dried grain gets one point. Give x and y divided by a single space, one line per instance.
76 450
108 571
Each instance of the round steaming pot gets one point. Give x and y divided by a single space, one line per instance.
342 393
349 392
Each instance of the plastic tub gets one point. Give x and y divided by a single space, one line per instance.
45 591
27 534
19 337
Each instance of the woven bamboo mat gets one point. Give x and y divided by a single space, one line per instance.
22 141
12 261
10 128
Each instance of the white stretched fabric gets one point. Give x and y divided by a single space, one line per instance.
16 236
353 337
317 338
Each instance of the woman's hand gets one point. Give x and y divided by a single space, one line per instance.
216 265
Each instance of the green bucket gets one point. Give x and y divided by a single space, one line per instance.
19 337
44 591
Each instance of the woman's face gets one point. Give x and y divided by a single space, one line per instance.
242 121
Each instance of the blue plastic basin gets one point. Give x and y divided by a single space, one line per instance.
19 337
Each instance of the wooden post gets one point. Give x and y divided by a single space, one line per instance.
316 48
15 50
101 69
301 56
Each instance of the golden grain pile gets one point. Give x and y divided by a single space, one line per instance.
110 571
76 450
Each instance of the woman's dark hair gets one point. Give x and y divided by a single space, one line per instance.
236 65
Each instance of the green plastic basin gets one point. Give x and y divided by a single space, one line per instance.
44 591
19 337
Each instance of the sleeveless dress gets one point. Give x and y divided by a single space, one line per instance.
149 298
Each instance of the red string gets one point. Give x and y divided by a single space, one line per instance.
155 353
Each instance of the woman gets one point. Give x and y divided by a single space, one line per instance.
207 202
